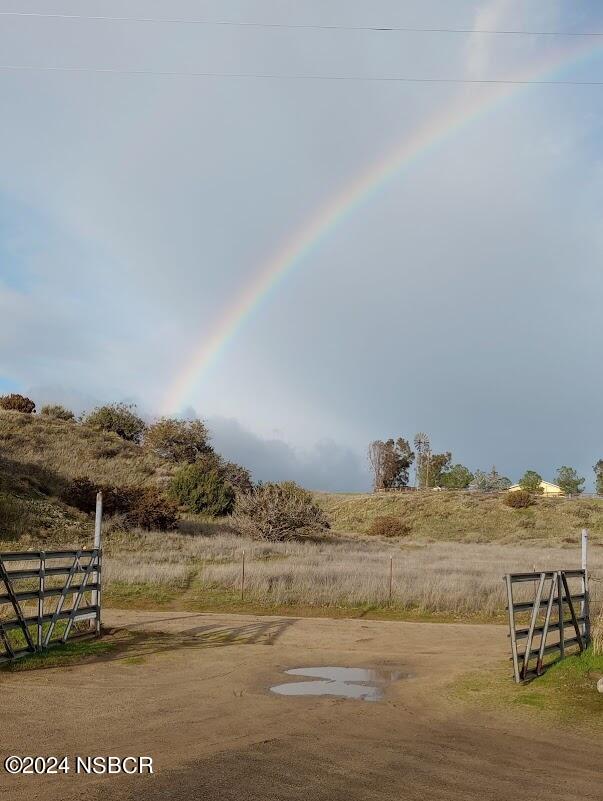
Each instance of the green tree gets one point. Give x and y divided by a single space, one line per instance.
178 440
569 481
456 477
390 462
120 418
489 482
531 482
201 490
433 468
598 468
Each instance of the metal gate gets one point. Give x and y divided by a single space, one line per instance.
541 610
46 603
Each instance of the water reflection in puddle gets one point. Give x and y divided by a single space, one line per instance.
365 684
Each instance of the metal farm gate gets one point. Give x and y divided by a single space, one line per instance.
47 598
542 605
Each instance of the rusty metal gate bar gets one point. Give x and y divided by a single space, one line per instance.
552 591
86 563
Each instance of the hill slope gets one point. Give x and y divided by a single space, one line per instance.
463 516
39 455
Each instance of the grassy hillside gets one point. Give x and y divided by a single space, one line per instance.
466 517
38 457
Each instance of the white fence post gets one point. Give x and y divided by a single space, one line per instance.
98 538
584 607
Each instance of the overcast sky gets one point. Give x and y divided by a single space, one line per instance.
462 299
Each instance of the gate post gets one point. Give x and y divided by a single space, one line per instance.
584 606
98 536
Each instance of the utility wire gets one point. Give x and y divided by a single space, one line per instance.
293 26
292 76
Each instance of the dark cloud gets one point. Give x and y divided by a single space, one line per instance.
327 466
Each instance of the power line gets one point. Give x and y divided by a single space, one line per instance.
293 76
294 26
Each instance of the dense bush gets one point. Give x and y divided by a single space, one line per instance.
17 403
278 512
151 510
202 490
389 526
178 440
519 499
121 418
144 507
81 493
57 411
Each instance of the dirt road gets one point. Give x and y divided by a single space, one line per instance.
192 691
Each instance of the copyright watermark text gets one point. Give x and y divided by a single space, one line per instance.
93 765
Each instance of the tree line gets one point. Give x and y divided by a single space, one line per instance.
395 464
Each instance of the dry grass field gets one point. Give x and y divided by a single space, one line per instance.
340 575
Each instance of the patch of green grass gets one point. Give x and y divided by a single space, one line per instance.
139 596
566 691
70 653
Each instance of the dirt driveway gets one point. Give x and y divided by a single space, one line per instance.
192 691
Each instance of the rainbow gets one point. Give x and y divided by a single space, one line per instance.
457 115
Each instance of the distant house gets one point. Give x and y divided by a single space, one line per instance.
547 488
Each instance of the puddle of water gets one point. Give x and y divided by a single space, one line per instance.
365 684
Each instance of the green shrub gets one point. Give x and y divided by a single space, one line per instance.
519 499
57 411
202 490
178 440
120 418
278 512
17 403
389 526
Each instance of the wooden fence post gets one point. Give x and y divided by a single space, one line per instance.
243 577
391 577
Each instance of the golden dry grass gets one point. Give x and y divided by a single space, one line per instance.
43 449
468 517
460 579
